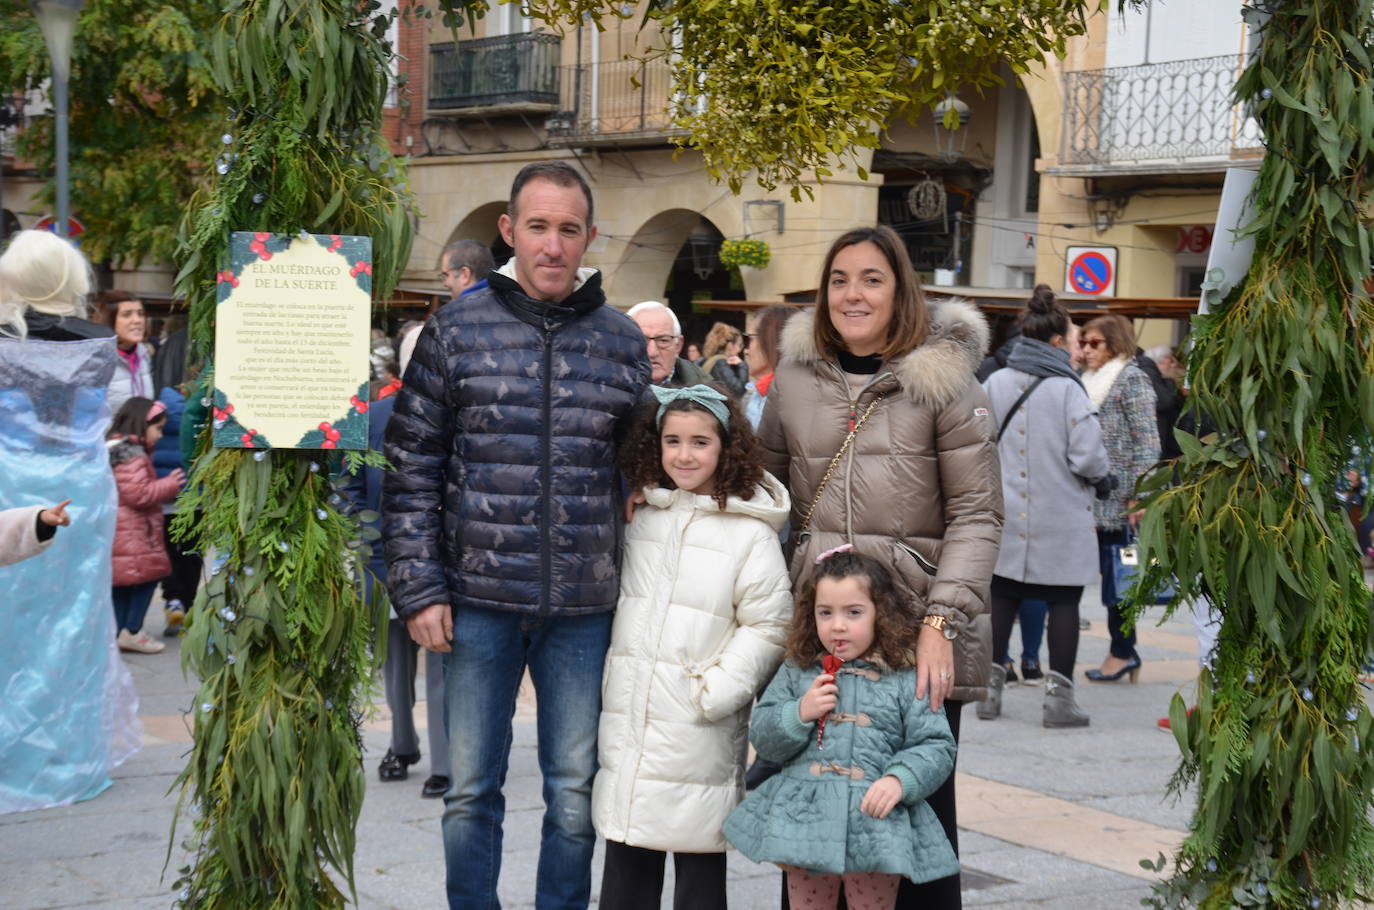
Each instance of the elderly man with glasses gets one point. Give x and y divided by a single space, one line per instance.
663 334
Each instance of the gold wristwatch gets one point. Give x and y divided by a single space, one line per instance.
941 625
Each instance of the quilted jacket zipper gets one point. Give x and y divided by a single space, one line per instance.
546 475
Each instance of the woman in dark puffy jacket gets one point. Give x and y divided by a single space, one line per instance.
724 363
140 556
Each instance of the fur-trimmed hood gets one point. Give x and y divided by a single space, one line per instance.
936 372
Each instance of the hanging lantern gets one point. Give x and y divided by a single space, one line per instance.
701 248
951 118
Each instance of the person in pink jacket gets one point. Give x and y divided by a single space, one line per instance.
29 530
140 555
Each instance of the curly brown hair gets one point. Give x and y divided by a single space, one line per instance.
895 627
738 472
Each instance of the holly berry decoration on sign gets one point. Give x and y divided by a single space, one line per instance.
331 436
829 664
259 245
227 277
348 431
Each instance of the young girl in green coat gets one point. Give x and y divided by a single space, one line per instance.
860 751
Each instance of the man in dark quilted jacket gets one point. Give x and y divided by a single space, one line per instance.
500 525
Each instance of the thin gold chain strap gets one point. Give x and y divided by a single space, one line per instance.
835 462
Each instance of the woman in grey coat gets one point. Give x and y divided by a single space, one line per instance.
1052 458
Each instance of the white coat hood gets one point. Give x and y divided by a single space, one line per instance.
770 502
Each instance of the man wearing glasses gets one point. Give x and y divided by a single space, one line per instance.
464 267
663 334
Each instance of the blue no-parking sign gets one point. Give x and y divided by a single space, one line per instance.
1091 270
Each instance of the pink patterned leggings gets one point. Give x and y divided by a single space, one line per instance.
862 890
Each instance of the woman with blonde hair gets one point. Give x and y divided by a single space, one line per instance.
55 369
722 349
1125 402
875 422
44 281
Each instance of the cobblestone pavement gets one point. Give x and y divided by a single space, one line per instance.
1048 818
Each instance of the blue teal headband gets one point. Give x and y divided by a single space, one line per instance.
703 395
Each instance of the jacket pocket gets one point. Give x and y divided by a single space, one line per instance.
913 571
926 565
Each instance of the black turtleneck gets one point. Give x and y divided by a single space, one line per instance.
866 365
538 313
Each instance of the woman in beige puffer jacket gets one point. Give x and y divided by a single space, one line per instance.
920 488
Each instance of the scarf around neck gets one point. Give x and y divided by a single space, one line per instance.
1098 383
1039 358
133 359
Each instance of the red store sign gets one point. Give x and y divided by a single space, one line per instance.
1193 238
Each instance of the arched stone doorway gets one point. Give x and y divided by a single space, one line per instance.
481 224
674 257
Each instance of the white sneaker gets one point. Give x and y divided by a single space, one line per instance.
139 643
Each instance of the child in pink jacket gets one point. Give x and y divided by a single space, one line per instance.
140 555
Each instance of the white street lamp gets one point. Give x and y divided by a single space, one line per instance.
57 19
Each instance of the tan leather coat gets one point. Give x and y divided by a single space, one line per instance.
920 488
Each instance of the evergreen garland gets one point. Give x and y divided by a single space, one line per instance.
280 636
1279 745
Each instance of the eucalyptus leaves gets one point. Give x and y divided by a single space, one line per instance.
281 636
1279 743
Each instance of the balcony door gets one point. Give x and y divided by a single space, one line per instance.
507 20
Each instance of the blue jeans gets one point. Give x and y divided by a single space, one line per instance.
565 655
1032 614
131 604
1123 644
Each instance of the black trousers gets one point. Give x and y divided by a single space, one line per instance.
184 581
943 893
1007 596
632 879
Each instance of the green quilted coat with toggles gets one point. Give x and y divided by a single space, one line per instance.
808 814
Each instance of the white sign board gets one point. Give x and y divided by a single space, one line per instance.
1229 258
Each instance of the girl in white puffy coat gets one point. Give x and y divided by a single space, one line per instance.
705 600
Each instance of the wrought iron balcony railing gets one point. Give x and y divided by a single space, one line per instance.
507 71
617 101
1157 112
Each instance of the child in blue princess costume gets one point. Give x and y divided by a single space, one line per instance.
860 752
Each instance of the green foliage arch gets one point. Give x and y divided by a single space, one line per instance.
1279 746
281 638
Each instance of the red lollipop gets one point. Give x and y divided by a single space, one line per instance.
829 664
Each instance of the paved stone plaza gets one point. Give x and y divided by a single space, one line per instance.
1055 819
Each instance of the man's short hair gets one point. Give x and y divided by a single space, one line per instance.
559 173
472 255
655 305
